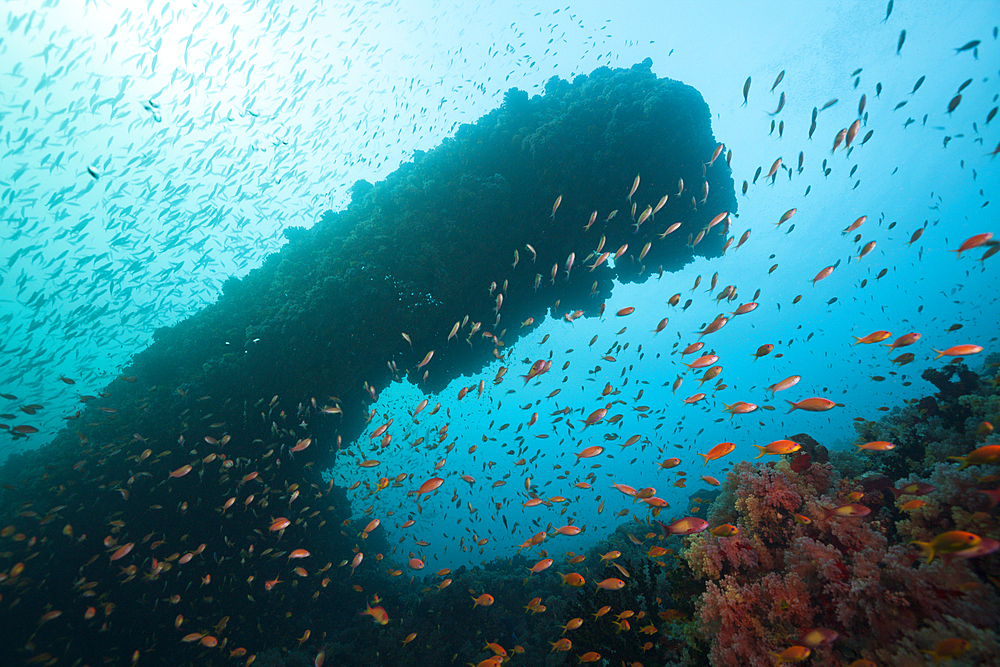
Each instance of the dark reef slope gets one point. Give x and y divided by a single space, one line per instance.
189 457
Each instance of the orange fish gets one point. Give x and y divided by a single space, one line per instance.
686 526
594 417
854 225
913 489
812 405
301 444
959 351
430 355
49 616
429 486
876 446
846 511
180 472
953 647
903 341
792 654
601 612
985 455
541 565
692 348
611 584
572 624
778 447
786 217
740 408
484 600
852 132
718 451
589 452
825 273
563 644
969 244
788 382
714 325
710 374
573 579
495 661
867 249
819 637
122 551
378 614
839 139
703 361
948 543
874 337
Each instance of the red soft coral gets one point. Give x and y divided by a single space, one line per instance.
765 499
710 557
748 620
781 576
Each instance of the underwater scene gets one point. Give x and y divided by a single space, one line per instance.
628 334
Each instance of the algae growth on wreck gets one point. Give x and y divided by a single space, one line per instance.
558 347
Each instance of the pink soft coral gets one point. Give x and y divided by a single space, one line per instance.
781 575
710 556
765 499
747 620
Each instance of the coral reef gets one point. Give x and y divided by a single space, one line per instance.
796 564
931 429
